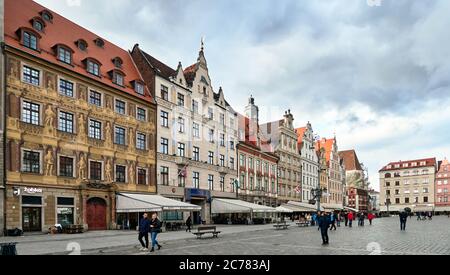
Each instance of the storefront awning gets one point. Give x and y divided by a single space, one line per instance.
442 209
229 206
351 209
425 208
303 207
132 203
392 208
332 207
282 209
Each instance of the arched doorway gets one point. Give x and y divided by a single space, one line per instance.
96 214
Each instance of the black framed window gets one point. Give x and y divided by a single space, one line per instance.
181 178
64 55
195 106
119 135
222 119
141 114
95 169
196 130
31 76
121 173
66 88
95 98
118 79
164 119
231 162
222 183
141 141
66 167
31 113
31 162
164 146
93 68
30 40
164 92
180 100
196 154
181 125
142 176
222 140
211 157
211 182
95 129
120 107
232 144
37 25
222 160
66 122
196 180
165 175
181 149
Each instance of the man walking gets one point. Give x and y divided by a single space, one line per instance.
403 220
362 217
346 218
188 224
144 229
155 229
333 222
324 224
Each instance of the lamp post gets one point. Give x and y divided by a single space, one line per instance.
317 194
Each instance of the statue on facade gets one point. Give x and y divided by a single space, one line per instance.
49 163
82 167
50 82
49 117
81 127
131 138
131 173
108 171
108 134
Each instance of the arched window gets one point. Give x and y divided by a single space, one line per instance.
46 15
117 62
29 38
63 53
92 66
99 42
82 44
118 77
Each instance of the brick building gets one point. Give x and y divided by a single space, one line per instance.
80 123
356 183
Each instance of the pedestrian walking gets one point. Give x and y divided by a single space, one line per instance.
370 216
338 219
188 224
350 219
362 218
144 229
324 224
155 229
332 221
346 218
403 220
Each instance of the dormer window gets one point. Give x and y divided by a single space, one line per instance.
82 44
29 38
99 43
47 16
93 66
38 24
64 53
139 88
117 77
117 62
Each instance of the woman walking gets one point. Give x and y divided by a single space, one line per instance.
155 229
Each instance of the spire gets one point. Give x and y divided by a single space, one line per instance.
202 44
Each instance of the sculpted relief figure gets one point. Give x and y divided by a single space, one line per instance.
131 138
108 171
50 82
82 168
108 134
131 173
81 127
49 117
49 163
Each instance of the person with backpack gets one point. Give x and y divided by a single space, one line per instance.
155 229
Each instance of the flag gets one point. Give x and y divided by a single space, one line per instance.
298 189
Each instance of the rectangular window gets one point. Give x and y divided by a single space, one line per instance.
222 183
210 157
139 88
64 55
164 93
196 154
141 141
30 40
425 199
196 180
211 182
222 160
93 68
141 114
118 79
31 76
66 122
232 144
222 119
165 119
119 135
242 160
120 107
142 176
211 135
222 140
181 127
210 113
180 100
31 162
165 175
181 178
181 151
195 106
66 88
95 98
121 173
164 146
31 113
95 129
232 163
196 130
66 167
95 169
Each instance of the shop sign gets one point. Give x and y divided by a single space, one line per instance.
31 190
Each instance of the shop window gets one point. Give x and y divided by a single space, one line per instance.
31 200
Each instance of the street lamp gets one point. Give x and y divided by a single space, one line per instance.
317 196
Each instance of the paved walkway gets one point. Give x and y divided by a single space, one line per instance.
97 240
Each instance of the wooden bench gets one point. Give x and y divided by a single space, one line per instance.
73 229
281 226
202 230
303 224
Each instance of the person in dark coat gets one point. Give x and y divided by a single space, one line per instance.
324 224
346 219
188 224
144 229
403 220
155 229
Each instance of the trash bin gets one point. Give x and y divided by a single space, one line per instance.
8 249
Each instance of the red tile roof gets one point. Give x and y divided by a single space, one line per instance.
428 162
18 14
351 160
300 135
327 144
190 72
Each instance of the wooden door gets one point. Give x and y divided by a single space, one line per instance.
96 214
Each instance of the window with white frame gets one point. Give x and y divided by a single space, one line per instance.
211 157
66 88
181 126
196 153
141 141
31 76
164 146
165 119
222 140
120 107
31 161
181 149
196 180
31 113
95 129
222 160
66 122
196 130
211 182
141 114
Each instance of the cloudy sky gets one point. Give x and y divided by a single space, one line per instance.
377 76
